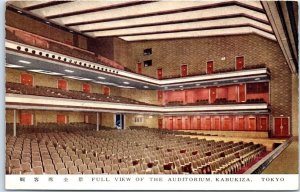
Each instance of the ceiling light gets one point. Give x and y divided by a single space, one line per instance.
235 81
69 71
181 86
45 72
78 78
197 84
146 87
256 79
20 11
13 66
101 77
25 62
126 87
47 22
215 83
125 82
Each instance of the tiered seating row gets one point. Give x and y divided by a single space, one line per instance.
18 88
124 152
257 66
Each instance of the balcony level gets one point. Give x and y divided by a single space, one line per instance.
51 62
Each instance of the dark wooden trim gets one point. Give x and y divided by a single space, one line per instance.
39 19
44 5
109 7
189 30
201 7
281 16
181 21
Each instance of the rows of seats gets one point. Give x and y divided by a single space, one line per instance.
134 151
223 70
18 88
217 101
257 100
50 128
174 103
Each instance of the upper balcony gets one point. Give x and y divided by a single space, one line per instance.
49 55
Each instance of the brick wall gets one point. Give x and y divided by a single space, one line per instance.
45 116
295 106
150 121
195 52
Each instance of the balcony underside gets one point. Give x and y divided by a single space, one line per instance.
16 101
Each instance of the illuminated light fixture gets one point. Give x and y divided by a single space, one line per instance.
256 79
125 82
146 87
20 11
25 62
104 83
45 72
47 22
235 81
215 83
181 86
126 87
78 78
68 71
13 66
101 77
197 84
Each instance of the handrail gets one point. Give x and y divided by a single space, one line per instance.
45 38
264 162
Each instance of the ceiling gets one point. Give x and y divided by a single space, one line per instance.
150 20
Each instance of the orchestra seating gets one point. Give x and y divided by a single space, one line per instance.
18 88
131 151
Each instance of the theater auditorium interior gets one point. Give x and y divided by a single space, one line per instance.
151 87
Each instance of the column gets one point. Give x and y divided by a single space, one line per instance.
97 121
15 123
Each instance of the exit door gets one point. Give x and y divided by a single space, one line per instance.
183 70
159 73
213 94
210 67
26 79
160 123
281 128
139 68
179 124
239 63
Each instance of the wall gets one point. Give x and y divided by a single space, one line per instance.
45 116
150 121
107 119
148 96
195 52
33 26
295 106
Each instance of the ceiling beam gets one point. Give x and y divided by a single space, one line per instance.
109 7
44 5
181 21
201 7
189 30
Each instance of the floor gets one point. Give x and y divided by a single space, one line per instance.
287 162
